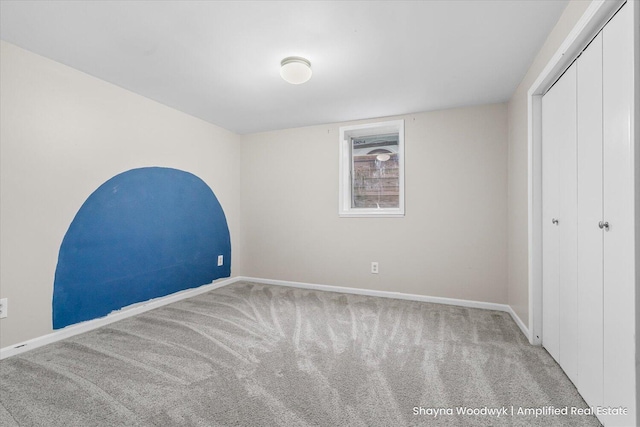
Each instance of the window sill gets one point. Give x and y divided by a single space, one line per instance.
372 214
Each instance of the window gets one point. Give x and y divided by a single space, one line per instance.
372 170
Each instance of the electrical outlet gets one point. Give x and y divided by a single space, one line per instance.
220 260
374 268
3 308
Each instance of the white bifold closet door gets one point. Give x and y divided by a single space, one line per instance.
588 196
619 248
550 235
590 213
559 230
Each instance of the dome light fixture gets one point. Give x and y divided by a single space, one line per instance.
295 70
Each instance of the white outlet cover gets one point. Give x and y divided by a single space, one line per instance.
220 260
3 308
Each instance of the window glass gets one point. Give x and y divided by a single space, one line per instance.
375 173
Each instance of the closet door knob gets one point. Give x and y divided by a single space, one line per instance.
603 225
554 221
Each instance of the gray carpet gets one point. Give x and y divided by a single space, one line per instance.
257 355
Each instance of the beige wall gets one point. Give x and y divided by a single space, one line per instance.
63 134
451 243
518 264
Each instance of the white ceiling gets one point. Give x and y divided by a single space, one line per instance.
220 60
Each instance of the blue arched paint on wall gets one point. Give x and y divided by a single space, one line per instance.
143 234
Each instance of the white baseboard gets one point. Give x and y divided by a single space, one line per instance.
135 309
383 294
114 316
397 295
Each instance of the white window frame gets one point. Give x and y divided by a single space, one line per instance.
346 161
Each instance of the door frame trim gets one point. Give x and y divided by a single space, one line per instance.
592 21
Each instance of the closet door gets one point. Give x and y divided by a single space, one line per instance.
568 229
590 213
559 238
551 113
619 271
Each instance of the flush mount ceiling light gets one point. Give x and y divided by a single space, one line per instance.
295 70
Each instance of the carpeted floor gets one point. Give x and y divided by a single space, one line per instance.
256 355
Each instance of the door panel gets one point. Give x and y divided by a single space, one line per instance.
568 226
619 280
590 264
551 121
550 234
